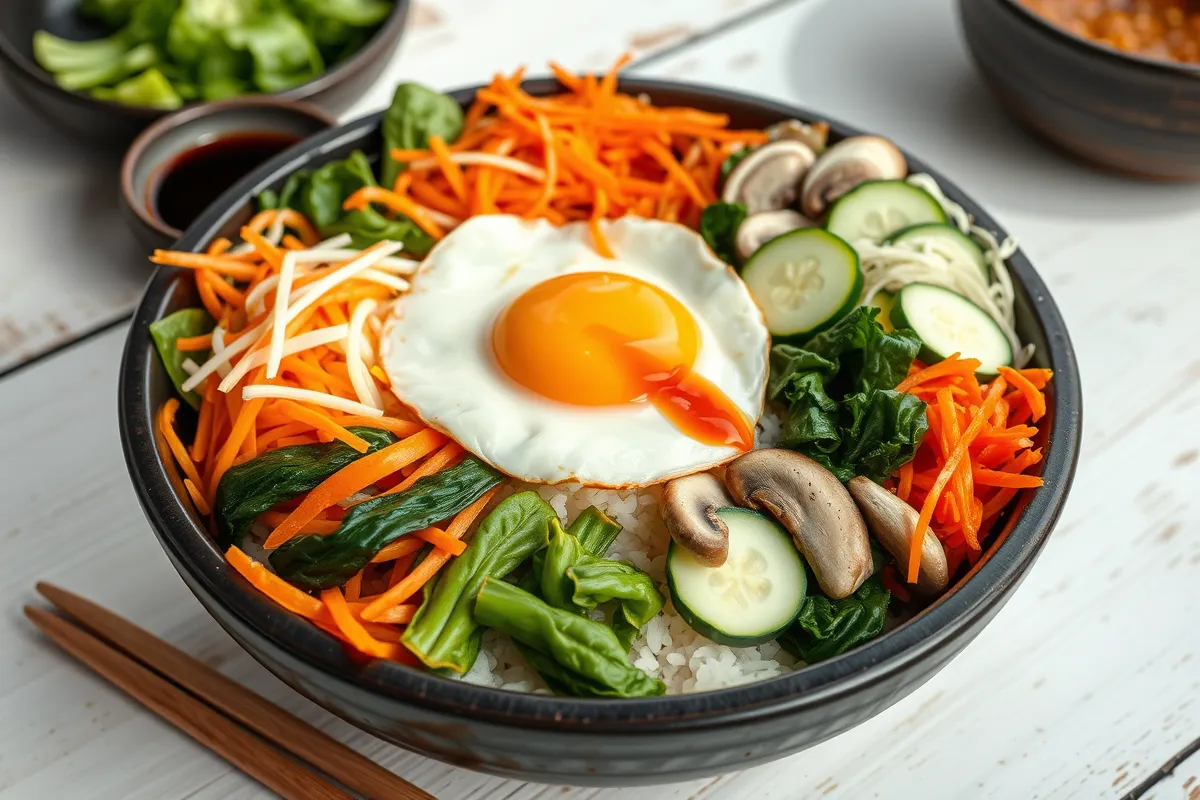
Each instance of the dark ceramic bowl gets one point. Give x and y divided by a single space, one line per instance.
161 145
113 124
1125 113
567 740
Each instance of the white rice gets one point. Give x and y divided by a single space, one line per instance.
667 648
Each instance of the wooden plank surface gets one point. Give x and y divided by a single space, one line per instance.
70 265
1084 685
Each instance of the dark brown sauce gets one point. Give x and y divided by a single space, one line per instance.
197 177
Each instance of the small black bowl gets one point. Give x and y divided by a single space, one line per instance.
160 146
1126 113
567 740
114 124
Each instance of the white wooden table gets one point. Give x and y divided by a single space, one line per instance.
1085 685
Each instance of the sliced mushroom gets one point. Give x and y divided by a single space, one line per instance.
770 177
847 164
815 135
757 230
893 522
815 508
689 509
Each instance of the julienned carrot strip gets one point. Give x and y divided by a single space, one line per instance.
166 426
904 488
353 630
272 585
322 422
439 539
550 158
193 344
362 198
299 439
270 253
222 266
963 490
413 582
452 171
949 366
354 587
396 615
1034 398
354 477
300 224
197 497
226 292
262 220
318 527
437 462
398 549
990 477
204 425
208 297
951 464
567 78
242 425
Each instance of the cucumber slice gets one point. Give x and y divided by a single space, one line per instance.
753 596
949 323
884 301
876 209
946 240
804 280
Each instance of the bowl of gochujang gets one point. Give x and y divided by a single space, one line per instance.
1115 83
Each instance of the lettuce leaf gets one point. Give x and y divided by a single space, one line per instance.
719 224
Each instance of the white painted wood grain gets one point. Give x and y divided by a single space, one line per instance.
1086 682
1182 784
69 265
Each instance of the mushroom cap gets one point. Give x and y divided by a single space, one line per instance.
815 135
770 177
847 164
893 522
758 229
815 508
689 510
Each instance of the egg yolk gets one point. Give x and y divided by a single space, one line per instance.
605 339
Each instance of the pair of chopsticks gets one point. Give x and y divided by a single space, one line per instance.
281 751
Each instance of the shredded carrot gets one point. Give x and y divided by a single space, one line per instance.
353 630
435 463
272 585
354 587
322 422
398 549
222 266
950 366
400 427
396 615
440 540
420 575
1035 399
395 202
904 489
197 497
192 344
354 477
166 426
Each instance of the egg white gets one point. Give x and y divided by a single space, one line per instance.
439 358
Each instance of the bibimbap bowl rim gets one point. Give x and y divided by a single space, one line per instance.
192 548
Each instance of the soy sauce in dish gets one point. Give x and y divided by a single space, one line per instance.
197 177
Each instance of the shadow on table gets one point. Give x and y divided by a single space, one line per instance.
903 69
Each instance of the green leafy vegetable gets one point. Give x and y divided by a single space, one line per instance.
182 324
842 409
444 633
595 530
574 580
719 224
319 562
580 656
320 195
827 628
416 113
733 159
261 483
165 51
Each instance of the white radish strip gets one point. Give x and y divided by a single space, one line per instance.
283 291
222 358
341 240
189 366
445 220
254 300
218 347
368 258
275 232
383 279
309 295
304 258
360 379
241 249
309 396
303 341
488 160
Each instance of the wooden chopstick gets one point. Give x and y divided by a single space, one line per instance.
215 731
286 731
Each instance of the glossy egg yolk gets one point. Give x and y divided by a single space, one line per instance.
605 339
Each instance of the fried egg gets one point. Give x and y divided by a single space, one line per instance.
553 363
